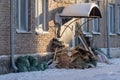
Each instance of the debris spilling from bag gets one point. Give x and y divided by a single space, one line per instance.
66 57
63 57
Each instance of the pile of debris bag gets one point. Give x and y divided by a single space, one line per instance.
67 57
30 63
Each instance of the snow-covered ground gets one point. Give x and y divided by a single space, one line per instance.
101 72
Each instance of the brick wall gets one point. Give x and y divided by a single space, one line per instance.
32 43
39 43
4 26
25 43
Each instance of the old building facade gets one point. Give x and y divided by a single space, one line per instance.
34 22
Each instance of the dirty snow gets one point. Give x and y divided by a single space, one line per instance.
101 72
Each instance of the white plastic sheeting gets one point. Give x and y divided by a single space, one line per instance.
81 10
68 34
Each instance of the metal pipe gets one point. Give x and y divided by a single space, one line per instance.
44 15
12 34
108 36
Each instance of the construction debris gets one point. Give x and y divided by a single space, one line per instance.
101 57
66 57
56 44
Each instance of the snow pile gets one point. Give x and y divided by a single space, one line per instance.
101 72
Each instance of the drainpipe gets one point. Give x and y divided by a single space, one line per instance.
44 15
12 34
108 36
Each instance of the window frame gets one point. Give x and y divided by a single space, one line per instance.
118 19
27 27
111 18
41 24
85 27
95 29
38 12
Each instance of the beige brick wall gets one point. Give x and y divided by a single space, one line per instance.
29 43
32 43
101 40
4 26
25 43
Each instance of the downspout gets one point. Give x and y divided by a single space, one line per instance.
12 34
108 36
44 15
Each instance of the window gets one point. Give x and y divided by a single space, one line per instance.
23 12
41 19
84 24
111 11
118 19
95 25
39 11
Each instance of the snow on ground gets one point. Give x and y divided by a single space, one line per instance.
101 72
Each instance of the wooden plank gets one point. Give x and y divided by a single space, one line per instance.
74 57
72 52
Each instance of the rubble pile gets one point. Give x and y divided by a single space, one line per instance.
66 57
55 43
